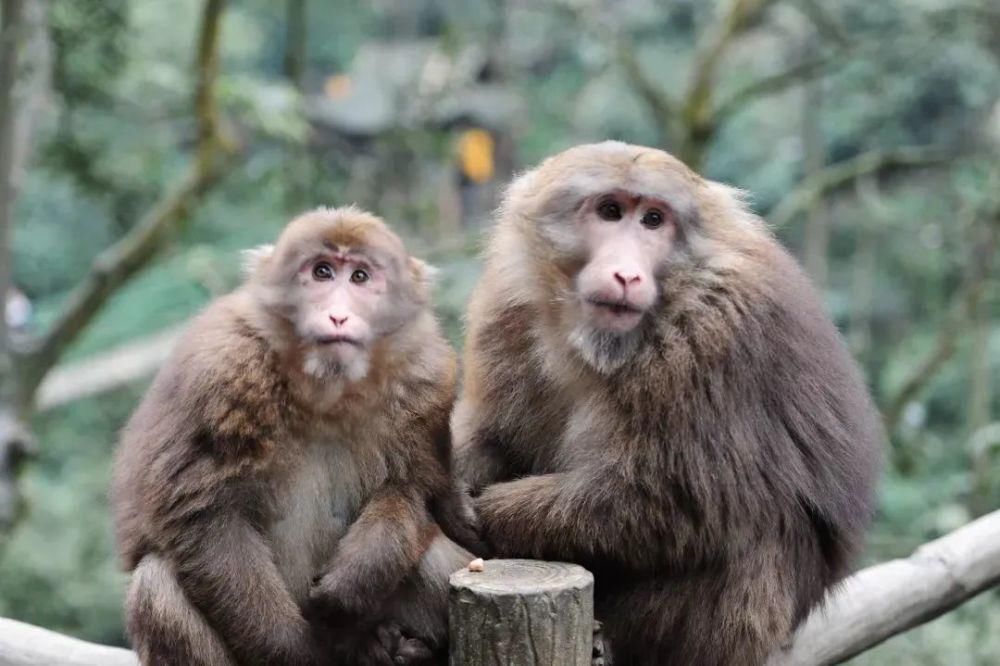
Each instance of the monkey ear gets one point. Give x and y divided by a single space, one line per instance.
423 273
256 257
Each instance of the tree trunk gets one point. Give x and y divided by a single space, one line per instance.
980 397
10 29
522 613
817 237
13 442
294 61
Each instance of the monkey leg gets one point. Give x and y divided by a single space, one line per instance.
411 628
420 607
710 619
164 627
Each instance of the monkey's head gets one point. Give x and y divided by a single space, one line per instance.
338 280
609 225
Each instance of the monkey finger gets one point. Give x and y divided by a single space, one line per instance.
601 654
412 651
389 636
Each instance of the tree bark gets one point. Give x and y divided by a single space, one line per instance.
10 28
522 613
13 442
294 60
817 236
25 645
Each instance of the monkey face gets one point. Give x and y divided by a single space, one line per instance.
341 294
342 281
627 238
614 220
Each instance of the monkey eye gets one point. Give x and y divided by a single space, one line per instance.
609 210
359 276
323 271
653 219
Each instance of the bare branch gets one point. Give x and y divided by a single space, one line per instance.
715 41
294 60
776 83
26 645
964 304
118 263
893 597
107 371
847 171
826 24
658 102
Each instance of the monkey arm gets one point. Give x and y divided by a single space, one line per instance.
380 549
582 514
478 461
227 571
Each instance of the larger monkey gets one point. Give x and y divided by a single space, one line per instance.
279 490
652 389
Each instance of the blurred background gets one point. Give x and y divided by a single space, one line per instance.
144 143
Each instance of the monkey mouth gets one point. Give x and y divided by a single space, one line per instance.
617 308
327 340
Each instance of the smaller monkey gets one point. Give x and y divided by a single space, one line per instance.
282 495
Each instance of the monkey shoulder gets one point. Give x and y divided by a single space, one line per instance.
228 394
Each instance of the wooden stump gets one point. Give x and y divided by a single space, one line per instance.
522 613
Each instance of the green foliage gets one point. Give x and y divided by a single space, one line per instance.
911 73
59 570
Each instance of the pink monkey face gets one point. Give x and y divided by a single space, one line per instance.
341 295
627 238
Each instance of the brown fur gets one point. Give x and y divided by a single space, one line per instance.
241 478
719 480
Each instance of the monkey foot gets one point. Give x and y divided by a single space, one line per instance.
601 654
404 650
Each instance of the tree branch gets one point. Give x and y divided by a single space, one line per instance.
868 608
733 20
893 597
845 172
826 24
659 102
26 645
771 85
118 263
964 303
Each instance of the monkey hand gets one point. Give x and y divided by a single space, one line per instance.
457 518
405 650
510 515
601 653
371 644
332 605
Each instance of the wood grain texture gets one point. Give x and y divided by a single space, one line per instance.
522 613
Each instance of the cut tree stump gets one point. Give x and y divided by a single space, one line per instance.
522 613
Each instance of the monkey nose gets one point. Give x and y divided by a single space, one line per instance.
626 279
338 321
